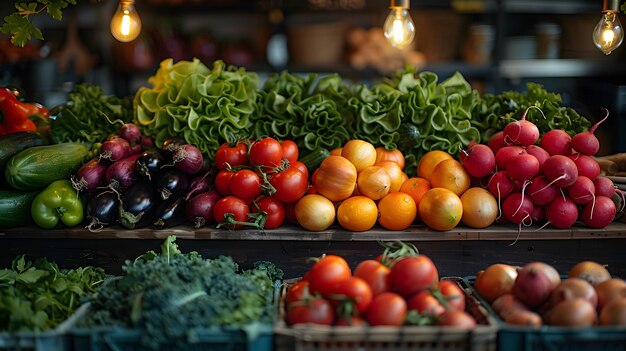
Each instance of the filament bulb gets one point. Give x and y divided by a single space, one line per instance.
608 33
399 28
126 24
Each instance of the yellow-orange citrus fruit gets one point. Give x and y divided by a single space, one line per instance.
451 175
480 208
357 213
397 211
441 209
429 161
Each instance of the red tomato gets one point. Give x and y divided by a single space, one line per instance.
456 318
290 150
233 205
222 182
453 294
375 274
411 275
232 156
266 152
326 273
290 185
353 289
425 303
387 309
354 321
317 311
274 209
300 166
246 185
297 292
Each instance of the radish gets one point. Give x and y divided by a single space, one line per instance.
586 165
517 208
556 142
586 142
604 187
521 132
582 191
496 142
538 215
500 185
478 160
537 151
560 170
599 213
534 283
541 192
562 213
504 155
523 167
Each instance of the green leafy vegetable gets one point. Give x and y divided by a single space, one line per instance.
39 296
171 294
88 116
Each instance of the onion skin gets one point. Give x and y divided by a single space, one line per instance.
614 313
594 273
610 290
199 208
572 313
123 171
574 288
188 159
534 283
90 176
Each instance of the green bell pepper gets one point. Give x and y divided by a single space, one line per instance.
59 201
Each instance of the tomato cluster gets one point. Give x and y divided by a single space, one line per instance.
392 290
259 181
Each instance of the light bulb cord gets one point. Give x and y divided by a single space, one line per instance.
400 4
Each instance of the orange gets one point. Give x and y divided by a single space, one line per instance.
416 187
395 174
451 175
373 182
441 209
357 213
480 208
397 211
429 161
361 153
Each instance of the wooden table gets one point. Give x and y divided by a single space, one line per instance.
458 252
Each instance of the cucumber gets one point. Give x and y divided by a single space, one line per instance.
313 159
15 208
38 166
11 144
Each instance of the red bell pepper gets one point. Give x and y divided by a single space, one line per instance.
17 116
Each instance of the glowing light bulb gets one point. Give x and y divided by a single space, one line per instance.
126 24
608 33
399 28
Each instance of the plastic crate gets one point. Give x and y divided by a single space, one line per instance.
552 338
418 338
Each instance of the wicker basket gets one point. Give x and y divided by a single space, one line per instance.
327 338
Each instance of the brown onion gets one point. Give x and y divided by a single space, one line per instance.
592 272
574 288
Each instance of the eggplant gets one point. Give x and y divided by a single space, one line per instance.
170 212
171 182
149 163
138 205
103 209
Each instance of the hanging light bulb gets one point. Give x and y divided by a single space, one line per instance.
126 24
399 28
608 33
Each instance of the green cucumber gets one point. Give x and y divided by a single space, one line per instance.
38 166
313 159
11 144
15 208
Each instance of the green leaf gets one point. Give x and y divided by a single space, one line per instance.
31 276
54 8
20 28
7 276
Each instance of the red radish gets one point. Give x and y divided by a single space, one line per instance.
599 213
517 185
504 155
539 214
517 208
523 167
560 170
556 142
478 160
521 132
586 142
586 165
496 142
541 192
114 149
582 191
537 151
534 283
562 213
500 185
89 176
604 187
188 159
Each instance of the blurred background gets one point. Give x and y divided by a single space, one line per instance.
496 44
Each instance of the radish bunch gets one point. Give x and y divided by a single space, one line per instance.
550 178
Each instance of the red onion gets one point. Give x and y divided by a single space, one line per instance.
136 149
199 209
188 159
535 282
131 133
89 176
199 185
147 142
123 171
114 149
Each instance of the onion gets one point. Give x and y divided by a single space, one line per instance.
592 272
572 313
535 282
131 133
200 208
89 176
198 185
188 159
574 288
114 149
147 142
123 172
135 149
